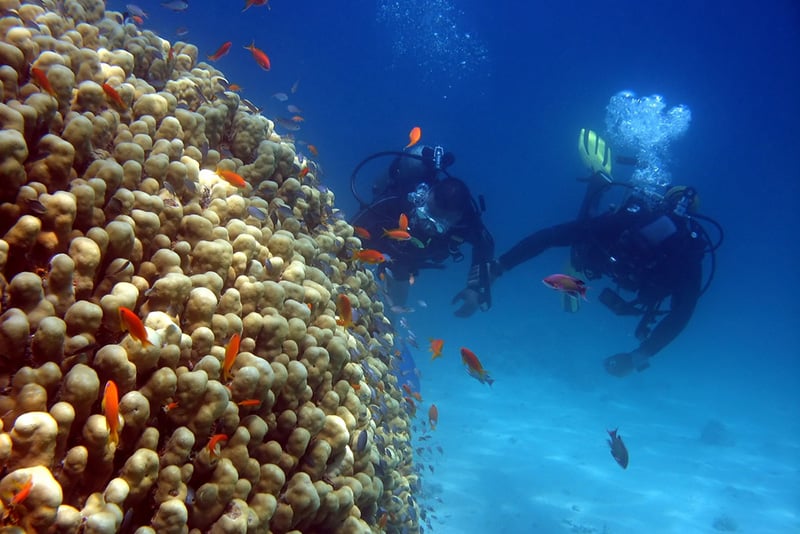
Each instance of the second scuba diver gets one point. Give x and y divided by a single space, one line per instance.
442 215
650 245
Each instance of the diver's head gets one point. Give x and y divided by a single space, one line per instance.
420 163
441 206
682 199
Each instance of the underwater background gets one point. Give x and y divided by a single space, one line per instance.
712 427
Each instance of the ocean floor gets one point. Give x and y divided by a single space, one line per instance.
529 454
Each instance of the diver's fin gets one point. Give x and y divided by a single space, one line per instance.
594 152
570 303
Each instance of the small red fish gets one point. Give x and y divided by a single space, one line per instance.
221 51
397 234
113 95
304 172
130 322
232 178
23 493
402 223
433 416
361 232
214 444
261 58
42 80
251 3
344 309
235 87
566 284
313 150
436 348
231 352
170 406
249 403
110 407
414 136
137 19
474 367
370 256
297 118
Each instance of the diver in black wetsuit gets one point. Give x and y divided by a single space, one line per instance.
653 248
442 215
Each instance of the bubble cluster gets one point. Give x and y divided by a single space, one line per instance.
646 126
431 34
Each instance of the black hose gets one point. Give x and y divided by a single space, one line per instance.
361 202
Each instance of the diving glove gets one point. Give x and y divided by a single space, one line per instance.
594 152
478 293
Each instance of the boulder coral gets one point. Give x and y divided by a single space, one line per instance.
240 404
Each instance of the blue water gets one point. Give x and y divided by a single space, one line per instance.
507 89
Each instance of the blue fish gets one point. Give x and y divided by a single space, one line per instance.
406 370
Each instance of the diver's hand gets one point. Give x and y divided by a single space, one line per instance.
624 363
471 302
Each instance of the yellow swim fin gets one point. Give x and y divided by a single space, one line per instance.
594 152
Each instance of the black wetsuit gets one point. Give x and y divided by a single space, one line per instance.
408 257
656 254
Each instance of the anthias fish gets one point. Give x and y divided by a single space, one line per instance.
618 449
566 284
436 348
474 367
414 136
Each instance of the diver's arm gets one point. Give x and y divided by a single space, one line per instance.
683 300
477 293
561 235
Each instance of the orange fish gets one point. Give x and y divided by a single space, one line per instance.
234 87
232 178
231 352
110 406
42 81
137 19
303 172
370 256
313 150
363 233
402 223
214 446
114 96
170 406
23 493
436 348
298 118
414 136
433 416
221 51
474 367
261 58
135 327
249 403
344 309
397 235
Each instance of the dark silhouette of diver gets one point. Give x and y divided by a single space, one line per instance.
652 246
442 215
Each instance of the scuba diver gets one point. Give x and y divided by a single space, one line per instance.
441 215
651 245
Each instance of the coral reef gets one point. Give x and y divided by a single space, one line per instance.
110 145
